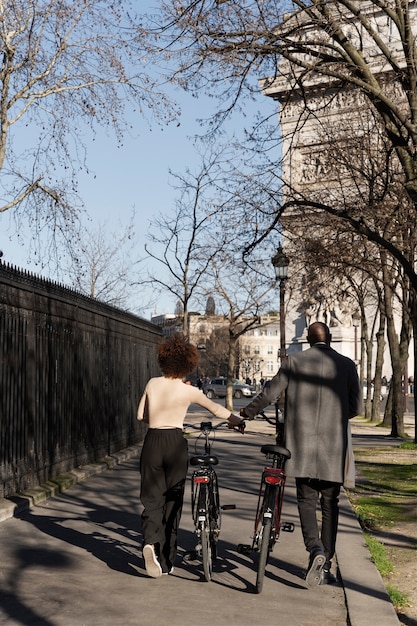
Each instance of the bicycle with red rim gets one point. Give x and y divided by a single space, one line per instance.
268 523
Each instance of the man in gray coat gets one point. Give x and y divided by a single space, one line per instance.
322 393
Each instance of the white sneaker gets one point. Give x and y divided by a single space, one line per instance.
152 565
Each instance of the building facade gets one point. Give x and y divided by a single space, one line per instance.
327 126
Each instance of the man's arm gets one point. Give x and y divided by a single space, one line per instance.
267 396
355 394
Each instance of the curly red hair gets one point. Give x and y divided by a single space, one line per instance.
177 357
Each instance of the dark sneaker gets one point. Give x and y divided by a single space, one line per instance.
315 566
152 565
327 578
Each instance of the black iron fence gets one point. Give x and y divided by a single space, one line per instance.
71 374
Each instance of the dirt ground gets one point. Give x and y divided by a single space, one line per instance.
400 542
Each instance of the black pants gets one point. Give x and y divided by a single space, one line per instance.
309 492
163 467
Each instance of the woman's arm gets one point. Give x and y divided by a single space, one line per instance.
143 412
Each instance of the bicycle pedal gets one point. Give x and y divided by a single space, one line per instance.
228 507
288 527
244 548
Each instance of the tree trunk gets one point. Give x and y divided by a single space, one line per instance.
231 372
413 309
396 403
376 412
368 400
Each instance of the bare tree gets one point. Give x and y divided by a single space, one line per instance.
214 359
241 296
367 48
186 243
104 266
66 67
231 44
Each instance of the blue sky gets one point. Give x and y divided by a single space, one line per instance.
136 175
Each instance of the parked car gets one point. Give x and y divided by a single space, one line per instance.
216 388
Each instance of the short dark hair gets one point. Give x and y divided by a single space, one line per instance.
177 357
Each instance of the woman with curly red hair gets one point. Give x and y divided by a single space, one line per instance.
164 458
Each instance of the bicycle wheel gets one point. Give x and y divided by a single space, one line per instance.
263 554
204 532
206 551
215 515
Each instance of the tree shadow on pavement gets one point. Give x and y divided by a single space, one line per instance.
10 602
107 545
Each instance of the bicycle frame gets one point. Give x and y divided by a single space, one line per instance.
205 478
205 500
268 512
270 500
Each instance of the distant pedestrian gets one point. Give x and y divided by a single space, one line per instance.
164 458
322 393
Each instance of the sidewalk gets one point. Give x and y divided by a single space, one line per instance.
75 558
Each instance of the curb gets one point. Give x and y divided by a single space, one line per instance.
14 505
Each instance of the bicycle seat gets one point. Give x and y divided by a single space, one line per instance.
268 449
204 459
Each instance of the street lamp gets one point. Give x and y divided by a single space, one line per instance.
356 318
280 261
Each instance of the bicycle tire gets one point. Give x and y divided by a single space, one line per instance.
263 554
206 551
215 515
204 531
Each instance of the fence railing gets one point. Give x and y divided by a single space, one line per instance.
71 374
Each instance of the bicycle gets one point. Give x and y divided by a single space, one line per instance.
268 513
205 499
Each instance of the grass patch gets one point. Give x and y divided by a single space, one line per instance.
408 445
379 555
385 567
385 495
399 600
373 512
388 485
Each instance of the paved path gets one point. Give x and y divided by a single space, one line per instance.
75 559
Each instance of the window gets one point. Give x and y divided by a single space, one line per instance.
270 350
257 350
270 366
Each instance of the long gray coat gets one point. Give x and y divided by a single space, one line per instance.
322 394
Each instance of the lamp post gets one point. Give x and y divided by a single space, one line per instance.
280 261
356 318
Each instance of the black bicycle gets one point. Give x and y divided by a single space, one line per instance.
268 513
205 498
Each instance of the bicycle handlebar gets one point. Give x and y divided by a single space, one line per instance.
207 427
